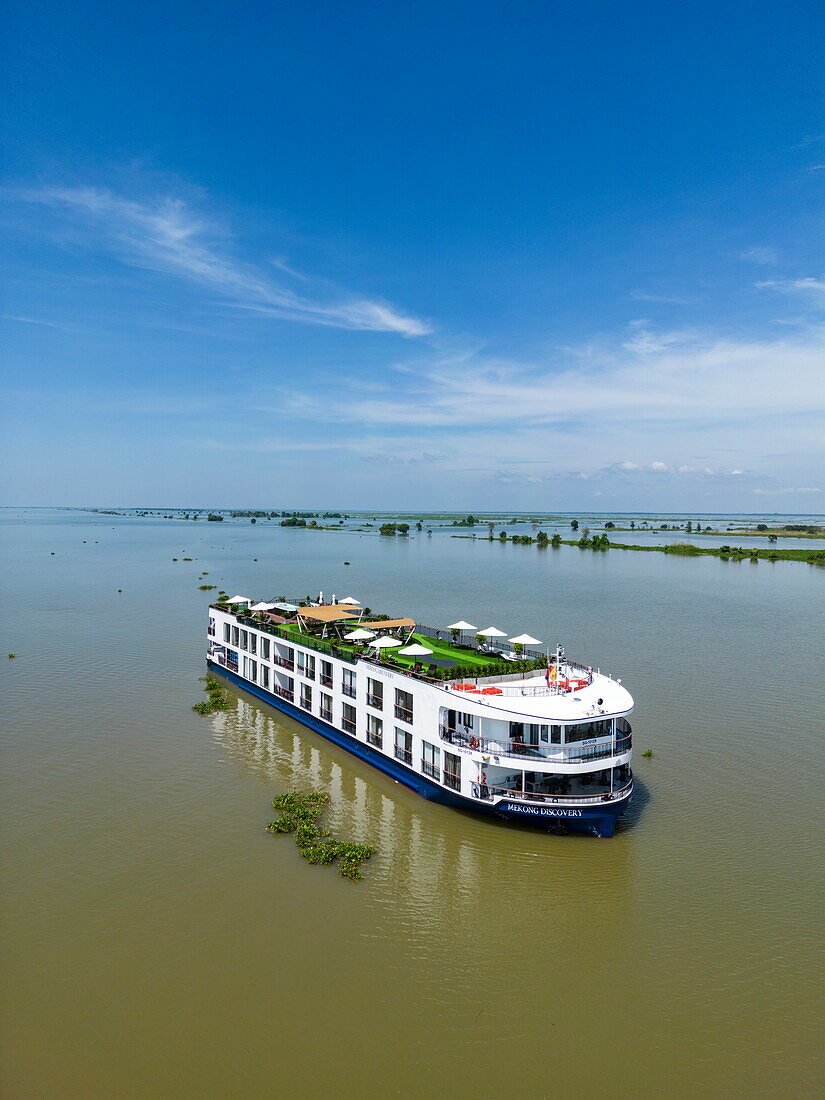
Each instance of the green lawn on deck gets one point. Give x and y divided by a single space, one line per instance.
469 659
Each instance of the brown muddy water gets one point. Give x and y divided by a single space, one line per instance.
156 942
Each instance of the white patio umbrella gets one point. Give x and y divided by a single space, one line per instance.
492 632
350 599
239 599
525 639
415 650
461 625
359 635
262 606
385 643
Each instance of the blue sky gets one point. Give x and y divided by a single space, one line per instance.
535 256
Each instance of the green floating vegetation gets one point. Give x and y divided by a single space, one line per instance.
217 698
299 815
206 587
12 656
648 753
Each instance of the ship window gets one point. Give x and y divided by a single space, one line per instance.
253 642
348 717
375 730
466 720
403 705
265 648
403 745
375 693
244 639
227 632
584 731
306 664
431 760
306 696
326 707
348 682
265 676
236 635
452 771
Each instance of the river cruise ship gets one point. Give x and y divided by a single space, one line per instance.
464 717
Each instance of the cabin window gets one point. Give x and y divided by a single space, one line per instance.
375 731
265 643
306 696
431 760
403 705
227 633
244 639
403 746
305 663
236 636
326 673
253 642
250 668
375 694
265 676
348 717
326 707
452 771
348 682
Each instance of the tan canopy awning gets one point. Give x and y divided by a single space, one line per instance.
389 624
330 613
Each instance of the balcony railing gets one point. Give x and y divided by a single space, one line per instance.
403 755
404 713
307 673
453 781
348 725
376 739
562 754
284 693
490 793
325 714
284 662
348 689
326 681
376 701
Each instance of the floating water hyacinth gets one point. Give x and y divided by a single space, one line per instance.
217 698
299 815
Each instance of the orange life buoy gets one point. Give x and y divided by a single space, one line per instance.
473 742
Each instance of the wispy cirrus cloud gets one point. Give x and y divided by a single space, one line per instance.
758 254
166 236
807 286
661 378
782 492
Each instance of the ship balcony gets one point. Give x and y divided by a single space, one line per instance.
562 754
495 783
284 662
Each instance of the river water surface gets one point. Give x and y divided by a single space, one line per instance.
157 942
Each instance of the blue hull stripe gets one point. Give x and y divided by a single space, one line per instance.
600 820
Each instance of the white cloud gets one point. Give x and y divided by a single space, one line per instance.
759 255
645 341
808 286
164 235
779 492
